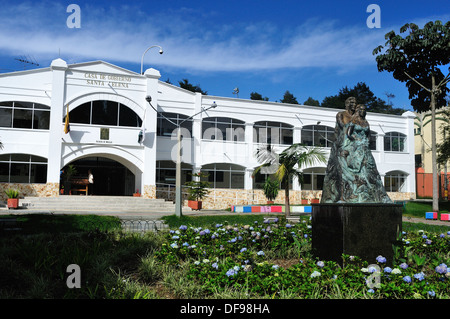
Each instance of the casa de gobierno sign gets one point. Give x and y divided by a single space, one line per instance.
101 79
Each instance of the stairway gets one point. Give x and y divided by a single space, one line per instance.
79 203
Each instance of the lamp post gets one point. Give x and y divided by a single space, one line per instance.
142 59
178 198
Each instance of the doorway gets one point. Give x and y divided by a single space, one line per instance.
111 178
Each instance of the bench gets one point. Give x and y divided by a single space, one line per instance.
80 185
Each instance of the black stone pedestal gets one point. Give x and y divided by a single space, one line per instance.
363 230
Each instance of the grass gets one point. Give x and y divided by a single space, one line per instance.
418 208
118 265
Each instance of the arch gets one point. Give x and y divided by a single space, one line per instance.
317 135
313 178
166 127
126 158
79 100
273 132
224 175
223 128
395 142
23 168
24 115
395 181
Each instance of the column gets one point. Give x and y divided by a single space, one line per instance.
149 176
197 131
297 135
57 113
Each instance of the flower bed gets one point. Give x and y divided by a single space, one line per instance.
274 259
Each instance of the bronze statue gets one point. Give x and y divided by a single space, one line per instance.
352 175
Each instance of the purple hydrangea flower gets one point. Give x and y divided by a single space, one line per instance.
420 276
407 279
441 269
381 259
321 264
260 253
183 227
387 270
403 265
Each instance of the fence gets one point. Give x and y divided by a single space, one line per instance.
424 184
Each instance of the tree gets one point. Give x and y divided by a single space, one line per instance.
289 98
310 101
193 88
288 164
363 95
258 97
418 59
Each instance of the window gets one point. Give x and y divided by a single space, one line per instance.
104 112
394 141
166 172
373 141
222 175
313 178
273 133
167 127
25 115
23 168
223 128
317 135
259 180
395 182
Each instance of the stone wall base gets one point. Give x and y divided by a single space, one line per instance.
225 198
38 190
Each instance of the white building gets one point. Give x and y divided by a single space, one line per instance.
107 109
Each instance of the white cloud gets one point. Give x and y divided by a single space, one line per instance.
122 34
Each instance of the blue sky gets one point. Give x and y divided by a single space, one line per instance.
311 48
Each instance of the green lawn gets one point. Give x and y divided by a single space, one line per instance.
418 209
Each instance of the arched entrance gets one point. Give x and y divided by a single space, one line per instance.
110 177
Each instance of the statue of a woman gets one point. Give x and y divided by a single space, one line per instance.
351 157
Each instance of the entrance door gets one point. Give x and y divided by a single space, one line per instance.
110 177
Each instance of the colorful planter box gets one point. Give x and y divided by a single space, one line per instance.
256 209
276 209
247 209
265 209
431 215
445 217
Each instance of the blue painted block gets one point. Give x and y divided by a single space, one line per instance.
308 209
247 209
430 215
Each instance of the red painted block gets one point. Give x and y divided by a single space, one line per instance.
256 209
445 217
276 209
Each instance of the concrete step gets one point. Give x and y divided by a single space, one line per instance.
98 203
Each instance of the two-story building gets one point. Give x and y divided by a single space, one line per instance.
108 110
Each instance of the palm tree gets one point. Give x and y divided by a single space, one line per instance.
288 164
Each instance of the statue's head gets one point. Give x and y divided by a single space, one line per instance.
350 104
361 110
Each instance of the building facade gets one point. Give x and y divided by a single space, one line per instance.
108 112
424 168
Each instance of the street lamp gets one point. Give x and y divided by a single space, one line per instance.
142 59
178 198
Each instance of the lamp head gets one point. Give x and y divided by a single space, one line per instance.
148 98
161 51
214 105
